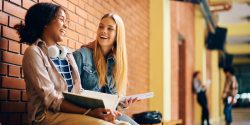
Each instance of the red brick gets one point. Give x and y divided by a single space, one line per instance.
72 26
90 10
81 12
18 2
82 4
64 42
14 71
90 18
98 7
73 35
4 43
3 69
91 34
14 83
3 94
13 106
80 29
48 1
12 58
81 21
62 2
14 95
4 18
71 7
1 4
73 17
14 46
76 2
24 96
14 10
13 21
90 25
24 47
10 33
22 75
28 3
78 45
71 44
1 30
82 38
88 39
90 2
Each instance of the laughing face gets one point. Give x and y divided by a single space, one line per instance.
56 30
106 33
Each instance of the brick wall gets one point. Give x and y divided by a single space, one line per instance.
84 16
182 22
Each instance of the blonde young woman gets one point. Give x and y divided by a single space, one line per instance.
103 67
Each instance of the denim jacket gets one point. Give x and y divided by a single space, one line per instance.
89 76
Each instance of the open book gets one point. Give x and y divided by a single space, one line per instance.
92 99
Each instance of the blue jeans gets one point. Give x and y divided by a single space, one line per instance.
228 111
202 100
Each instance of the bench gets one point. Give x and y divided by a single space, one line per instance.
171 122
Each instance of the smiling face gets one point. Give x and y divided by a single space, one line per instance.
106 33
56 30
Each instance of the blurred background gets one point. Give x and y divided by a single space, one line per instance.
167 40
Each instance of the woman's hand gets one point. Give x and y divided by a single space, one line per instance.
105 114
127 102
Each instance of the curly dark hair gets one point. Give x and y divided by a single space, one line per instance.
36 18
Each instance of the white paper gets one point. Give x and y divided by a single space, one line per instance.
139 96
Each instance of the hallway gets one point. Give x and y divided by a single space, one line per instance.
241 116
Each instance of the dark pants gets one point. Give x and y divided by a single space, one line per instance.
228 112
202 100
126 118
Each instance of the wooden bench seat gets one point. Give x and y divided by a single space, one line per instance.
171 122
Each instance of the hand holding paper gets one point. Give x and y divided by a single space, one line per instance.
126 101
139 96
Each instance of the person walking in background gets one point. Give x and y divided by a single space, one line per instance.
229 92
200 90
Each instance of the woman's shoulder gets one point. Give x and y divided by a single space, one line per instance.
86 54
32 49
84 50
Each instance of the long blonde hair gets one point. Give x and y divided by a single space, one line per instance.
120 69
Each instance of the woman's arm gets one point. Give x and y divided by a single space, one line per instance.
79 60
100 113
71 108
37 79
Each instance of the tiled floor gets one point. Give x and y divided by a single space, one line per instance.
241 116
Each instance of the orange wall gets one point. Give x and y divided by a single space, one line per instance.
84 16
182 21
